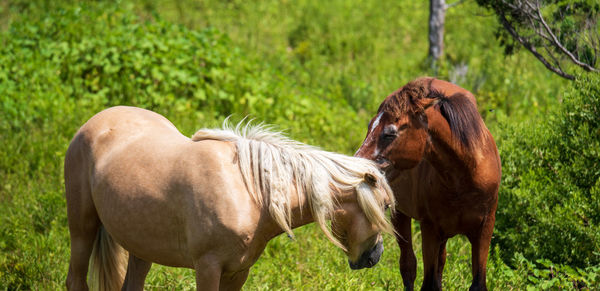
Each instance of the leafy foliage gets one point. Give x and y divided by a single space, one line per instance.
550 197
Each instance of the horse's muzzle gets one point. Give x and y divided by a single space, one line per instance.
369 258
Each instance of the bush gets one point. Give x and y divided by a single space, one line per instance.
51 65
116 59
540 275
549 204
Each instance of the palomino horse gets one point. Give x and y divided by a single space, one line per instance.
443 166
210 203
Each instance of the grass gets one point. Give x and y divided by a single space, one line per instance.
315 69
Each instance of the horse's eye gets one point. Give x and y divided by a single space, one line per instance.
389 136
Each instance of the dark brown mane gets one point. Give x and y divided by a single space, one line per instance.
460 113
462 116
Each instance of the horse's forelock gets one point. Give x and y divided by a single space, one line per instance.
372 198
408 99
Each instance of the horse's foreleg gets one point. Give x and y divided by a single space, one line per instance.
137 269
480 245
234 282
432 248
441 260
208 273
408 261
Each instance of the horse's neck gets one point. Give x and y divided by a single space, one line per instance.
453 163
300 213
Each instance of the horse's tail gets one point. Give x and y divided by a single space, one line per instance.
107 263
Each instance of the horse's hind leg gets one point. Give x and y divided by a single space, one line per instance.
480 245
408 261
235 282
137 269
83 229
84 223
82 242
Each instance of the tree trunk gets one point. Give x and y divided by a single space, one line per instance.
437 14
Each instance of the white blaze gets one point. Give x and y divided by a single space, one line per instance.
369 136
376 122
373 127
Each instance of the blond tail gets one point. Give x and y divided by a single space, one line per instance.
108 263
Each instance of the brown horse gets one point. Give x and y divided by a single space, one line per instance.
211 203
443 166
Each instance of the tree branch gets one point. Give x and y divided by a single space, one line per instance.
556 62
531 48
560 46
447 6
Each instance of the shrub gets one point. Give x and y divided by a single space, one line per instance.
52 63
549 204
116 59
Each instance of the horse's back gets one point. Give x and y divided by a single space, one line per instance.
123 124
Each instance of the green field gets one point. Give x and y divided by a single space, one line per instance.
316 70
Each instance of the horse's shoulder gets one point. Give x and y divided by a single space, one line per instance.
488 171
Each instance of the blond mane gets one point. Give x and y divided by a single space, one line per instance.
274 166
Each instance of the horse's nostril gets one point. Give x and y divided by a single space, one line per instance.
382 163
369 258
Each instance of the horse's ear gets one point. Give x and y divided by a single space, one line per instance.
433 98
430 102
426 103
370 179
